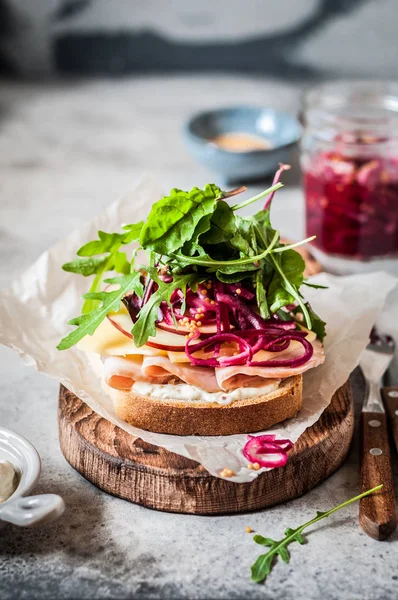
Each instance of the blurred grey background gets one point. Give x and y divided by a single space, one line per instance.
94 93
288 39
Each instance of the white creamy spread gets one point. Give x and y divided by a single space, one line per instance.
8 480
189 393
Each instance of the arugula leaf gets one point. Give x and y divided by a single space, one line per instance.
315 286
110 301
134 232
222 225
262 219
293 265
244 238
226 265
263 565
173 219
278 297
145 327
233 277
121 264
291 268
275 186
261 295
108 242
91 265
193 245
85 266
318 326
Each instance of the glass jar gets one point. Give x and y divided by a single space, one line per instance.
349 159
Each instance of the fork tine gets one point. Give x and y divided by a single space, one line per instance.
381 342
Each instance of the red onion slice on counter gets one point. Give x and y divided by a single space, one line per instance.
266 450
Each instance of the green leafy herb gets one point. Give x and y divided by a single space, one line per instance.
144 327
108 244
222 225
267 192
134 232
315 286
261 295
110 301
173 219
263 565
190 235
213 265
318 326
244 238
85 266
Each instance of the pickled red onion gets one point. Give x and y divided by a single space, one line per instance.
245 350
266 450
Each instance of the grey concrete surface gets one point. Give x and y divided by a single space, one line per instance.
66 150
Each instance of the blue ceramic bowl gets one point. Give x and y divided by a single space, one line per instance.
280 129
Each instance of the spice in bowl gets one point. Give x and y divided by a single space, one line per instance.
240 141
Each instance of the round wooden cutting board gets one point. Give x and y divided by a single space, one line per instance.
125 466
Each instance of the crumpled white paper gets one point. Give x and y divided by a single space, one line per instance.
34 312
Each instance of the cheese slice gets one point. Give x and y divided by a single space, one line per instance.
109 341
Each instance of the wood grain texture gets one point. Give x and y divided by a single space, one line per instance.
129 468
377 513
390 399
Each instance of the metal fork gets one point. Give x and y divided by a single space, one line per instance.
377 513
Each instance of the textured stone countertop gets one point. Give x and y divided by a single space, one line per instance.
66 150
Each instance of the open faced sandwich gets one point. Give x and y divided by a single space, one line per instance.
212 335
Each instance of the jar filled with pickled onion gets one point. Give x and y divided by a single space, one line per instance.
349 159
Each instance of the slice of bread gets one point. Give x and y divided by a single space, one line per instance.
199 418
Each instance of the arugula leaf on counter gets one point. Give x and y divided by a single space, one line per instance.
109 301
263 565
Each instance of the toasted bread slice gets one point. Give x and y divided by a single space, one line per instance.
199 418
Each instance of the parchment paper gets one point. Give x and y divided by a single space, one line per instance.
34 312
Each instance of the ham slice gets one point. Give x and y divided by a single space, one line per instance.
121 372
229 378
201 377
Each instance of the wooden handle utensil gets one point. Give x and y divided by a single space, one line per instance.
377 513
390 400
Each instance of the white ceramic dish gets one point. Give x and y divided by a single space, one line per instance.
19 508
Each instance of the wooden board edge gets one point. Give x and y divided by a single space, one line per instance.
179 496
